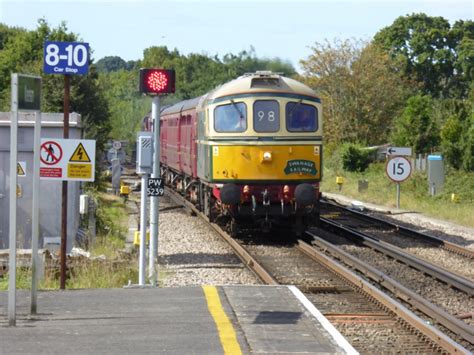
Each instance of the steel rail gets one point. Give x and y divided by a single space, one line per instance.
448 277
430 332
243 255
469 253
439 315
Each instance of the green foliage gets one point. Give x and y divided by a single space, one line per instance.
457 133
109 213
361 93
416 126
127 106
114 63
355 158
438 56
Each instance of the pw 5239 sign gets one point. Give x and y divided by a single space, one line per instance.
155 187
66 58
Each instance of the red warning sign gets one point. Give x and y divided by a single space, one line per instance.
51 153
51 172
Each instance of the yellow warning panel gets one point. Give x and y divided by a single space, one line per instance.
80 155
79 171
21 169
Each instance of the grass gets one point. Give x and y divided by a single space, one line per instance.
108 266
413 192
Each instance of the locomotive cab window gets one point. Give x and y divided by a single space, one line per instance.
230 118
301 117
266 116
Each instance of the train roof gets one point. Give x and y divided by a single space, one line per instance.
182 106
261 81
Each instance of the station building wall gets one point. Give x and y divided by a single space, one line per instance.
50 191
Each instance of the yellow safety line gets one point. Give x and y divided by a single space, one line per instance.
224 326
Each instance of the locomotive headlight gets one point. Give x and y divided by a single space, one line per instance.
267 156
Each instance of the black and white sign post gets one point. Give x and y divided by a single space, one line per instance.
66 58
398 169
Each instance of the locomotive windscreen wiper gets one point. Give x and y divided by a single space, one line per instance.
237 109
295 106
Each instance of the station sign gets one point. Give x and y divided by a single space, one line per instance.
67 159
398 169
69 58
155 187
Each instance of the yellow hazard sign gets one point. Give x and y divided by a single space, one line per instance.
21 168
80 155
79 171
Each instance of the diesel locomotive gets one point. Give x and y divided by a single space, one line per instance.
249 150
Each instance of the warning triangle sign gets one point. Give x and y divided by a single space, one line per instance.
19 170
80 155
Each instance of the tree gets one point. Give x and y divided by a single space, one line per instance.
110 64
437 55
457 132
415 127
361 93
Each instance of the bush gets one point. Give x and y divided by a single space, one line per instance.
355 158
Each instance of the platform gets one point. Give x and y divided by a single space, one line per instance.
186 320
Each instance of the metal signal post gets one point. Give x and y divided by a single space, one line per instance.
154 201
155 82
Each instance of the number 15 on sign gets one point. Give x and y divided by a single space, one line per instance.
398 169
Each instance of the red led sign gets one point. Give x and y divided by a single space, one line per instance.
157 81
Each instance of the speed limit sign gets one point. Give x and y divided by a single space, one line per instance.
398 169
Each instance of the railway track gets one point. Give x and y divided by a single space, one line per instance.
369 319
449 256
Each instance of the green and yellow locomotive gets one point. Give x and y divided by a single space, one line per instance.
251 149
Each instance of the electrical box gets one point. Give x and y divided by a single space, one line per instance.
144 152
83 204
435 174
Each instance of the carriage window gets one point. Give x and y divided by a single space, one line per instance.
301 117
266 116
231 117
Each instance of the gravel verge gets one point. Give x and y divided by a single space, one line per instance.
451 232
190 253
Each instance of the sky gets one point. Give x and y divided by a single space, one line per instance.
282 28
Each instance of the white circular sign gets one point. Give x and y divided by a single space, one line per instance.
117 145
398 169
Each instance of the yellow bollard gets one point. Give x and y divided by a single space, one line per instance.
454 198
339 181
136 238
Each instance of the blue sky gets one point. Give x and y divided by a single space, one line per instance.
284 29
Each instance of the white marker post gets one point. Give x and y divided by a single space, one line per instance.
398 169
35 213
12 223
143 223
